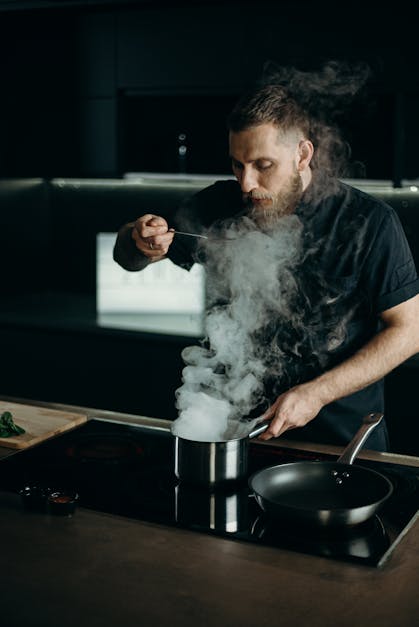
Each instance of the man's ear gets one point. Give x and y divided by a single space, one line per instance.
305 154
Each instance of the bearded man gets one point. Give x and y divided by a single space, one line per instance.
354 271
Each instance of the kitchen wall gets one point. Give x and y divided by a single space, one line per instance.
72 74
68 73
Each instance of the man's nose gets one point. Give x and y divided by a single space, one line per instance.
247 180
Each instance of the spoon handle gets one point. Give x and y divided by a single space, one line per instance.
191 234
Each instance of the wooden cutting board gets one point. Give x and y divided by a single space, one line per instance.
39 423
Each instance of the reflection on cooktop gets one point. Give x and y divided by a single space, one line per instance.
366 541
128 471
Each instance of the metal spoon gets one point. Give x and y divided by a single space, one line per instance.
210 239
191 234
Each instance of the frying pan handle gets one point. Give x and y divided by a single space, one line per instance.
369 423
260 428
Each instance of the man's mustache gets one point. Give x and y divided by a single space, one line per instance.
247 198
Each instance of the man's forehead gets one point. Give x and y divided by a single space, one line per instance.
263 138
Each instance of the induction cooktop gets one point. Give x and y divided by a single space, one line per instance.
129 471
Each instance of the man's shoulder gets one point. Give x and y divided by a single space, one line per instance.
365 202
346 210
349 205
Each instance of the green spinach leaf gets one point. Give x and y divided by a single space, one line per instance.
7 426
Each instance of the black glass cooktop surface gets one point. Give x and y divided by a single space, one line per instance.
128 471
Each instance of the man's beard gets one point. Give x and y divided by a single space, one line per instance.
282 204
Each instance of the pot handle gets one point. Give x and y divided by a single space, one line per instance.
369 423
260 428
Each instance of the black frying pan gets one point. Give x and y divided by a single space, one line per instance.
324 493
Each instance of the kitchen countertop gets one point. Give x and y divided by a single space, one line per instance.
99 569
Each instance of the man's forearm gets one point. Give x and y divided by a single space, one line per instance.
398 341
383 353
302 403
125 252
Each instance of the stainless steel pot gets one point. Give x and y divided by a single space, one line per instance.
210 463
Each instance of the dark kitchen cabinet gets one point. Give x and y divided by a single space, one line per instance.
78 363
106 369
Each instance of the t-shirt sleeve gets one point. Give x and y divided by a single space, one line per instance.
190 217
389 272
216 202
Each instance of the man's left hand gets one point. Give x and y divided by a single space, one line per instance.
294 408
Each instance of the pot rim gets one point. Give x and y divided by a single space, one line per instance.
254 431
184 439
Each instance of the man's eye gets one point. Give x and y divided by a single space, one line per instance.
237 166
264 166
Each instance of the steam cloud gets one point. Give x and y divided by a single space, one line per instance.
256 305
326 95
265 316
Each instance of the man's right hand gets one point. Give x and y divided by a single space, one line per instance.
152 236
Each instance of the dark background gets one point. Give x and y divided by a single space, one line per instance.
97 89
102 88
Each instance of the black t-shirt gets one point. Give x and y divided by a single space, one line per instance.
356 254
